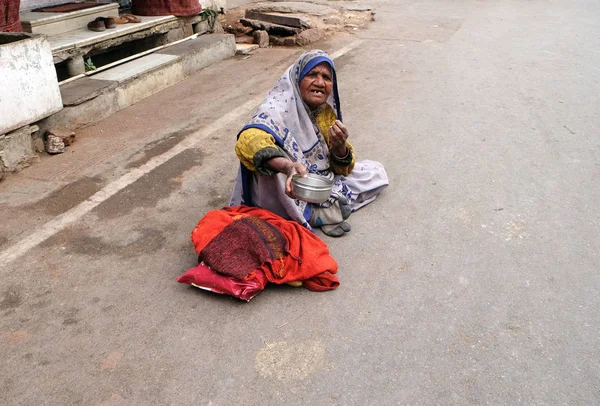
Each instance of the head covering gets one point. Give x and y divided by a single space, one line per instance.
285 116
283 113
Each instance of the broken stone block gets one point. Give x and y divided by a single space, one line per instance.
283 41
261 38
275 40
54 145
16 149
289 41
270 28
309 36
280 19
244 49
67 136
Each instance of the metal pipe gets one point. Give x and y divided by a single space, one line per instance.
129 58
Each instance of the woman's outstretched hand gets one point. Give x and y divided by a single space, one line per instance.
338 134
288 168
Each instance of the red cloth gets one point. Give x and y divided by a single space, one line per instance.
205 278
180 8
9 16
305 259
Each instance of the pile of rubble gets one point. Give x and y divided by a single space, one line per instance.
292 23
19 148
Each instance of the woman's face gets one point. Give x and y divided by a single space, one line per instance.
316 86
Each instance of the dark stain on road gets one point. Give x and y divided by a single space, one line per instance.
152 187
151 240
11 299
41 304
68 197
3 240
160 147
70 321
77 241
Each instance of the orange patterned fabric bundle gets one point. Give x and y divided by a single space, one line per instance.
254 246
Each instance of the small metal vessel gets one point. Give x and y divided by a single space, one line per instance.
313 188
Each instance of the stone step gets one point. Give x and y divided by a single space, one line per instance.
58 23
82 37
92 98
133 69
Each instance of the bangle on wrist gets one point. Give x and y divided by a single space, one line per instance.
341 158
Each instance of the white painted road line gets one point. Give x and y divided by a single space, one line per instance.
60 222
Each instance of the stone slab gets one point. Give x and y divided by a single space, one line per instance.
134 68
195 45
84 89
58 23
245 49
203 51
261 38
275 18
274 29
83 37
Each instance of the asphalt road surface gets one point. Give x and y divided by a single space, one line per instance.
473 279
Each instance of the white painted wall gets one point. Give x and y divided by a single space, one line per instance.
28 81
213 4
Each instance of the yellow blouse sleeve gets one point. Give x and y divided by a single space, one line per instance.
325 119
249 143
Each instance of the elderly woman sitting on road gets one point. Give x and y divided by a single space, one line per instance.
296 130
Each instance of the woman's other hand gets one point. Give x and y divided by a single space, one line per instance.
288 168
338 134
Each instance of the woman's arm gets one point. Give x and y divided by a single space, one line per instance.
289 169
254 148
341 152
257 151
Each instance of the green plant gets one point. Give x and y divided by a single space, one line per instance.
89 65
208 13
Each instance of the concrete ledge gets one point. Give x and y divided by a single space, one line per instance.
202 52
84 89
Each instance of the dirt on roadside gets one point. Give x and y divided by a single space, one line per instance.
321 21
